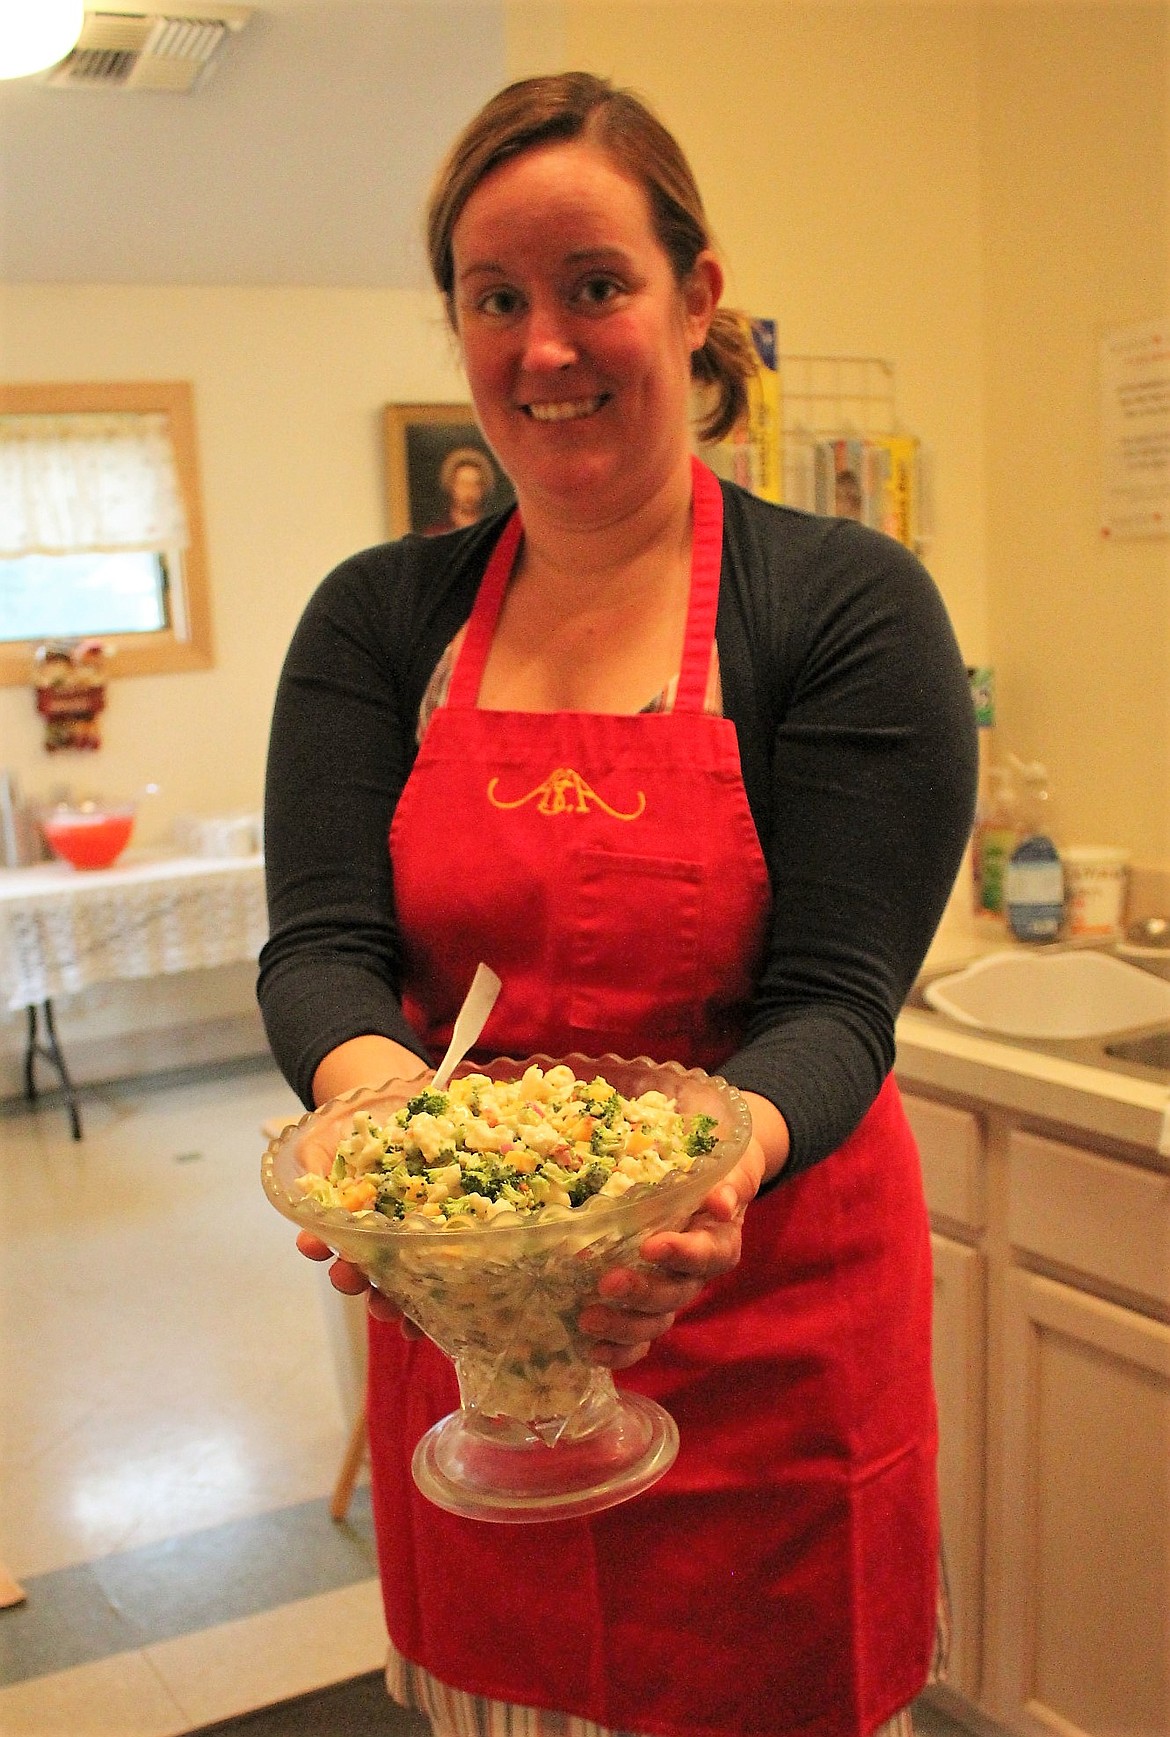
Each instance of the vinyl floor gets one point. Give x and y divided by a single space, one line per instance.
173 1421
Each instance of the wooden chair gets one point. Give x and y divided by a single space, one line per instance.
356 1452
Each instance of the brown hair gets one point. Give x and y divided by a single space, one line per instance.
570 105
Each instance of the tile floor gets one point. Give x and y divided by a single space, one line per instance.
172 1423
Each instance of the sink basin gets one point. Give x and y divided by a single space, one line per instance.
1075 994
1150 1051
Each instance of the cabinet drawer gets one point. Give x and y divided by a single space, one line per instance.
950 1143
1108 1220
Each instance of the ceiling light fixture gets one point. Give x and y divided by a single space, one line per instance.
35 34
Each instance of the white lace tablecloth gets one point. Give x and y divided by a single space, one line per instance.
62 928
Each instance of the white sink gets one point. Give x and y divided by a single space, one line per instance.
1051 995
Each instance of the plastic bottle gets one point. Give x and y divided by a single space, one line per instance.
1032 794
994 834
998 830
1033 882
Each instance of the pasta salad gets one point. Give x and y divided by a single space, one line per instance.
486 1148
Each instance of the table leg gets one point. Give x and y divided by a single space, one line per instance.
50 1050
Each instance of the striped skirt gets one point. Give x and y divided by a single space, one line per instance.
455 1713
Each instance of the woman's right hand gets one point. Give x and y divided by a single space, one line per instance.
332 1122
351 1282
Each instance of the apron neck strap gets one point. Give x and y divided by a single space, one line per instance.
706 561
481 625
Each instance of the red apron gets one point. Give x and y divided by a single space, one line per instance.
781 1577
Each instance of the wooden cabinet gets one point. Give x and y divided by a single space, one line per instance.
950 1142
1052 1365
959 1356
1082 1599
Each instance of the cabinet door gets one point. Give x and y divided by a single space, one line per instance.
1082 1600
959 1384
950 1144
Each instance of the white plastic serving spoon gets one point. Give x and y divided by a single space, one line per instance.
469 1022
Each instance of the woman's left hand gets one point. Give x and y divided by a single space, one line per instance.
636 1306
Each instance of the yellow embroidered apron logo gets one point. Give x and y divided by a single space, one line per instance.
563 792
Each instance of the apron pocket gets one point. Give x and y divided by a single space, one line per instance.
634 927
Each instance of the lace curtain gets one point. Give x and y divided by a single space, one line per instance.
88 481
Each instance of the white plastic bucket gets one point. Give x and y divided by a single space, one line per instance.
1096 880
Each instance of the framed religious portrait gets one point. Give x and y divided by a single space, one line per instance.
440 474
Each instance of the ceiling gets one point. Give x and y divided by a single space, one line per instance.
303 158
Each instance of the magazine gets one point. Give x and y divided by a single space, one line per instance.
873 478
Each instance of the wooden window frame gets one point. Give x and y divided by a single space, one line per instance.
160 653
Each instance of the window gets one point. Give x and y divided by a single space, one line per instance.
101 526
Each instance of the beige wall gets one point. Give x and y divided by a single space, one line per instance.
1074 144
978 193
973 192
838 155
289 386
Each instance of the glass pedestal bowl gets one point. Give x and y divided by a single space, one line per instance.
541 1432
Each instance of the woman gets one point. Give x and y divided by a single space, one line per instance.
766 724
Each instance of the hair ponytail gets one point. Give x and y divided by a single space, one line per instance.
726 362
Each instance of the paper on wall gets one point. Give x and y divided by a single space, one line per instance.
1135 430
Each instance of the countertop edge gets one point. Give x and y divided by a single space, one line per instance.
1092 1100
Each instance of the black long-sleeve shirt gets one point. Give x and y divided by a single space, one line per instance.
856 731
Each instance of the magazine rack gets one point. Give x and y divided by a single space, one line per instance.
826 399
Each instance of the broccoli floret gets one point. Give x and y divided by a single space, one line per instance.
603 1141
426 1104
487 1177
701 1139
589 1180
396 1159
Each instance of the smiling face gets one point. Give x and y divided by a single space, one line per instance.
576 337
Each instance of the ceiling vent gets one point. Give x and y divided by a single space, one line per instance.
132 48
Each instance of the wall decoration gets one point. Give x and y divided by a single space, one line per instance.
440 473
70 684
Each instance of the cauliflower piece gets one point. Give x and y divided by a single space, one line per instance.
480 1136
541 1137
432 1134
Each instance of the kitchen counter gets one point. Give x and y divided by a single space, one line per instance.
1108 1103
1048 1183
